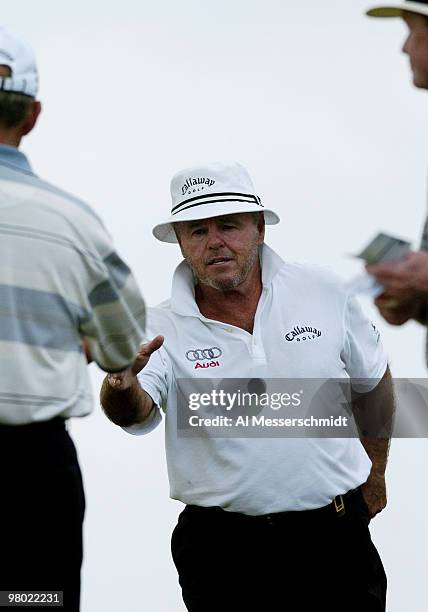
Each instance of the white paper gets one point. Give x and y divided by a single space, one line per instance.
365 284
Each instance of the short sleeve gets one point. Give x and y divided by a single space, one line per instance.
115 315
363 353
154 380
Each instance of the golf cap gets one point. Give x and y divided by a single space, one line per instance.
396 10
19 57
213 190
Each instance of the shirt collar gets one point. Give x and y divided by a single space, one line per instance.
183 284
15 159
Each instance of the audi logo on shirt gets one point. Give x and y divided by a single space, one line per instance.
201 354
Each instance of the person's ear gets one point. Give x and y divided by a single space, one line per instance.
31 119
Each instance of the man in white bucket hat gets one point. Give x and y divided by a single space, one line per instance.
406 281
267 519
65 297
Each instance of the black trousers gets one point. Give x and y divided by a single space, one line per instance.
42 506
305 561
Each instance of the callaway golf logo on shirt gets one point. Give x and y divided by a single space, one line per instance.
301 334
192 185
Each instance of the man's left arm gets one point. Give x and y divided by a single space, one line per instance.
374 414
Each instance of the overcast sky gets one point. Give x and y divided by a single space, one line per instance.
316 100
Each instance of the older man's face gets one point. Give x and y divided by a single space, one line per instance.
222 250
416 47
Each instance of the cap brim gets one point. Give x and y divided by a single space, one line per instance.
24 84
397 10
165 231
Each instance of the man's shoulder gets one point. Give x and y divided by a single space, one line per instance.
161 319
161 312
20 183
55 211
162 307
299 274
77 205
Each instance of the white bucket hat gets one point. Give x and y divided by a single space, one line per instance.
396 10
213 190
19 57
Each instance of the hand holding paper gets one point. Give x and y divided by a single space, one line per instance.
383 248
403 279
397 278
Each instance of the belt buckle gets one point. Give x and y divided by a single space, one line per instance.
339 505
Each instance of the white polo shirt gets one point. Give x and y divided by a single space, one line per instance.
262 475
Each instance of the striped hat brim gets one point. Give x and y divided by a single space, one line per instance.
208 206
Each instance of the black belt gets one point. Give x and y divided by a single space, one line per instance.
43 445
336 507
55 424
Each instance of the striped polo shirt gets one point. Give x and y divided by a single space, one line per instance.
60 280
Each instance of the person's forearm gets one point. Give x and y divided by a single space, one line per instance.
374 489
374 416
377 450
125 407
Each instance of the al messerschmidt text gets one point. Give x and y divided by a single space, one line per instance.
262 421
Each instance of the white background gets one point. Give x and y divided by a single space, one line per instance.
316 100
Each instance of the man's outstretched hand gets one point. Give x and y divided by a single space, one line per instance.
124 380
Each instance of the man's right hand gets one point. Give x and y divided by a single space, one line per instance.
124 380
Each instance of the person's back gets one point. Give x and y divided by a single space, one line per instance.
65 298
60 279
